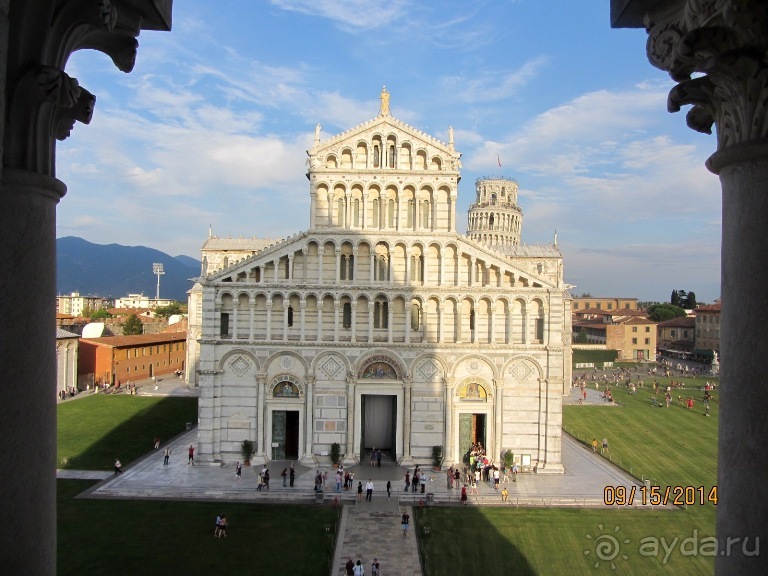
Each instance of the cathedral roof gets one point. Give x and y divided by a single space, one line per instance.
239 244
528 250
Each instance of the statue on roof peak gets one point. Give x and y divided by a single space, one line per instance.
384 109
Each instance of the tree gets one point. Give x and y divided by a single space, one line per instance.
581 337
675 298
690 301
100 314
132 326
170 310
662 312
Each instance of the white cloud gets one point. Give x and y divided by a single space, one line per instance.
491 86
349 14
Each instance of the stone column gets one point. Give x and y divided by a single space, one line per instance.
304 263
371 311
312 207
269 318
251 314
408 267
725 44
407 334
303 308
338 265
407 459
261 417
320 252
290 266
308 459
286 305
349 456
353 307
28 363
448 449
320 320
235 311
336 306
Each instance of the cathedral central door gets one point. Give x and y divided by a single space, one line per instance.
379 416
471 430
285 434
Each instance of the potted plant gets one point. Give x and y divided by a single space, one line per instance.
246 450
335 454
508 458
437 457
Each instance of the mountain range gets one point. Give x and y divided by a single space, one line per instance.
114 271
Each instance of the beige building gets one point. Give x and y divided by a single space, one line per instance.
74 304
676 333
581 303
631 333
135 301
381 326
708 327
66 361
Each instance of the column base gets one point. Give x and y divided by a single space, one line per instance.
550 469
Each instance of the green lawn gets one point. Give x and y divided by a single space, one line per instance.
93 431
159 538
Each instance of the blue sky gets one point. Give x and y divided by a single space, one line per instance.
212 128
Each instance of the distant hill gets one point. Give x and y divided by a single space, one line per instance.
112 270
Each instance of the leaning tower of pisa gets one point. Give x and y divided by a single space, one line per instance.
495 218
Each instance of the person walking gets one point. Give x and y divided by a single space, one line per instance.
238 471
166 455
223 526
359 491
157 442
389 490
407 481
404 522
191 451
292 474
375 567
349 567
118 467
284 475
369 491
359 570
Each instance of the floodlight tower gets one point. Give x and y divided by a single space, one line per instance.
157 269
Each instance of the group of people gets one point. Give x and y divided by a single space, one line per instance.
68 392
419 479
263 479
288 475
352 568
376 457
221 526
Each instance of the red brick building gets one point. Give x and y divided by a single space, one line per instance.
130 358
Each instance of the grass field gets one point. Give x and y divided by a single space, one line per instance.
94 431
672 446
158 538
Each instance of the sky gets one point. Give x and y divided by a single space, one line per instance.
212 126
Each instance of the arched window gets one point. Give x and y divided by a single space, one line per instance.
376 155
356 213
411 212
290 316
346 319
472 319
425 214
376 213
392 156
490 222
391 214
382 268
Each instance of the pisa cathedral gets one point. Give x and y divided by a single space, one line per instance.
381 326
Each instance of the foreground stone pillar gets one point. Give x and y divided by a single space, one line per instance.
726 41
39 104
28 368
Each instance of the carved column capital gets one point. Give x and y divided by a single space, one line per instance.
726 42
